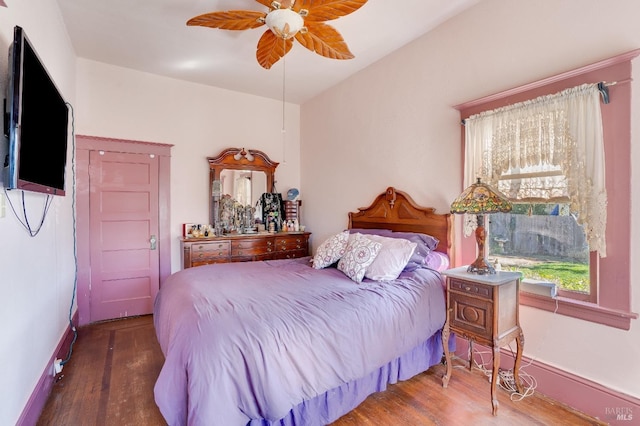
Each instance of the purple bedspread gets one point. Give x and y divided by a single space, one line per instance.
252 340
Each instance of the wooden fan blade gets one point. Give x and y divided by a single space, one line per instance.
230 20
327 10
325 41
271 49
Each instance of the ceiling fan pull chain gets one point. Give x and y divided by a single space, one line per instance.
284 78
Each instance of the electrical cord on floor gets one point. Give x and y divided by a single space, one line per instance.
506 378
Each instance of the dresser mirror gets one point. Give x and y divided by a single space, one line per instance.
241 175
244 186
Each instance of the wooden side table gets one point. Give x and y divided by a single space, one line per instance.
484 309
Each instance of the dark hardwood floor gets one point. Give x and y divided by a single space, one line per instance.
110 377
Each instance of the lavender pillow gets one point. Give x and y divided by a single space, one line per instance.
371 231
392 258
438 261
430 242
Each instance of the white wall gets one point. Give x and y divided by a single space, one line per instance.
200 121
394 124
36 274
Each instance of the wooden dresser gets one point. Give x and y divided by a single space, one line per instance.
244 247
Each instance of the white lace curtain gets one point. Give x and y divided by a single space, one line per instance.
546 149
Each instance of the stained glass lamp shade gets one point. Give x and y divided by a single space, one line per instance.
480 199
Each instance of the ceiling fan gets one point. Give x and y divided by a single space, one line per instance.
288 19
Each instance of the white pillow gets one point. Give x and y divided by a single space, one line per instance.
331 250
359 254
392 258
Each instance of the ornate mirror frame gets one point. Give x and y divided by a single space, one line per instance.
240 159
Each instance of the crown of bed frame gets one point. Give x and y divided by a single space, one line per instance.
396 210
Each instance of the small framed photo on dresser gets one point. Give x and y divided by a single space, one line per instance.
186 230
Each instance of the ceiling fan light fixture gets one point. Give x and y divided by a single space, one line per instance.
284 23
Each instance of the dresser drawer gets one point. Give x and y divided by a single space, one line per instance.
209 250
473 315
291 242
248 247
291 254
474 289
208 261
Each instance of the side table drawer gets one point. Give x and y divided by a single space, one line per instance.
471 314
475 289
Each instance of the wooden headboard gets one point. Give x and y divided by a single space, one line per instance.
396 210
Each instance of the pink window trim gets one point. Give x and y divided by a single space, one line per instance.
613 304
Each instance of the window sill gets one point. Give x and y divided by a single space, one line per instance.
582 310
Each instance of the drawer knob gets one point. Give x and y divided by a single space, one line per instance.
467 288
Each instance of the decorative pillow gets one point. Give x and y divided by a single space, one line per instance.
392 258
438 261
425 244
430 242
331 250
359 254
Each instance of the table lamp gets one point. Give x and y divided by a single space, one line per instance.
480 199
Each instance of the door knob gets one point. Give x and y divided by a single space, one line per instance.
153 242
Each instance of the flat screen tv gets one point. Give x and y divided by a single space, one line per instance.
36 123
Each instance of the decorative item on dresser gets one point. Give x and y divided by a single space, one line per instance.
484 309
244 247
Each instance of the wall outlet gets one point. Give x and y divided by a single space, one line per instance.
2 207
57 366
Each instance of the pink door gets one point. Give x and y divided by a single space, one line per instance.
123 221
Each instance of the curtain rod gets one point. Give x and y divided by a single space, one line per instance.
603 87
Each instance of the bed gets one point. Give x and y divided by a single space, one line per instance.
287 342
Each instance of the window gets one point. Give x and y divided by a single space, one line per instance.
609 277
547 152
542 237
544 242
